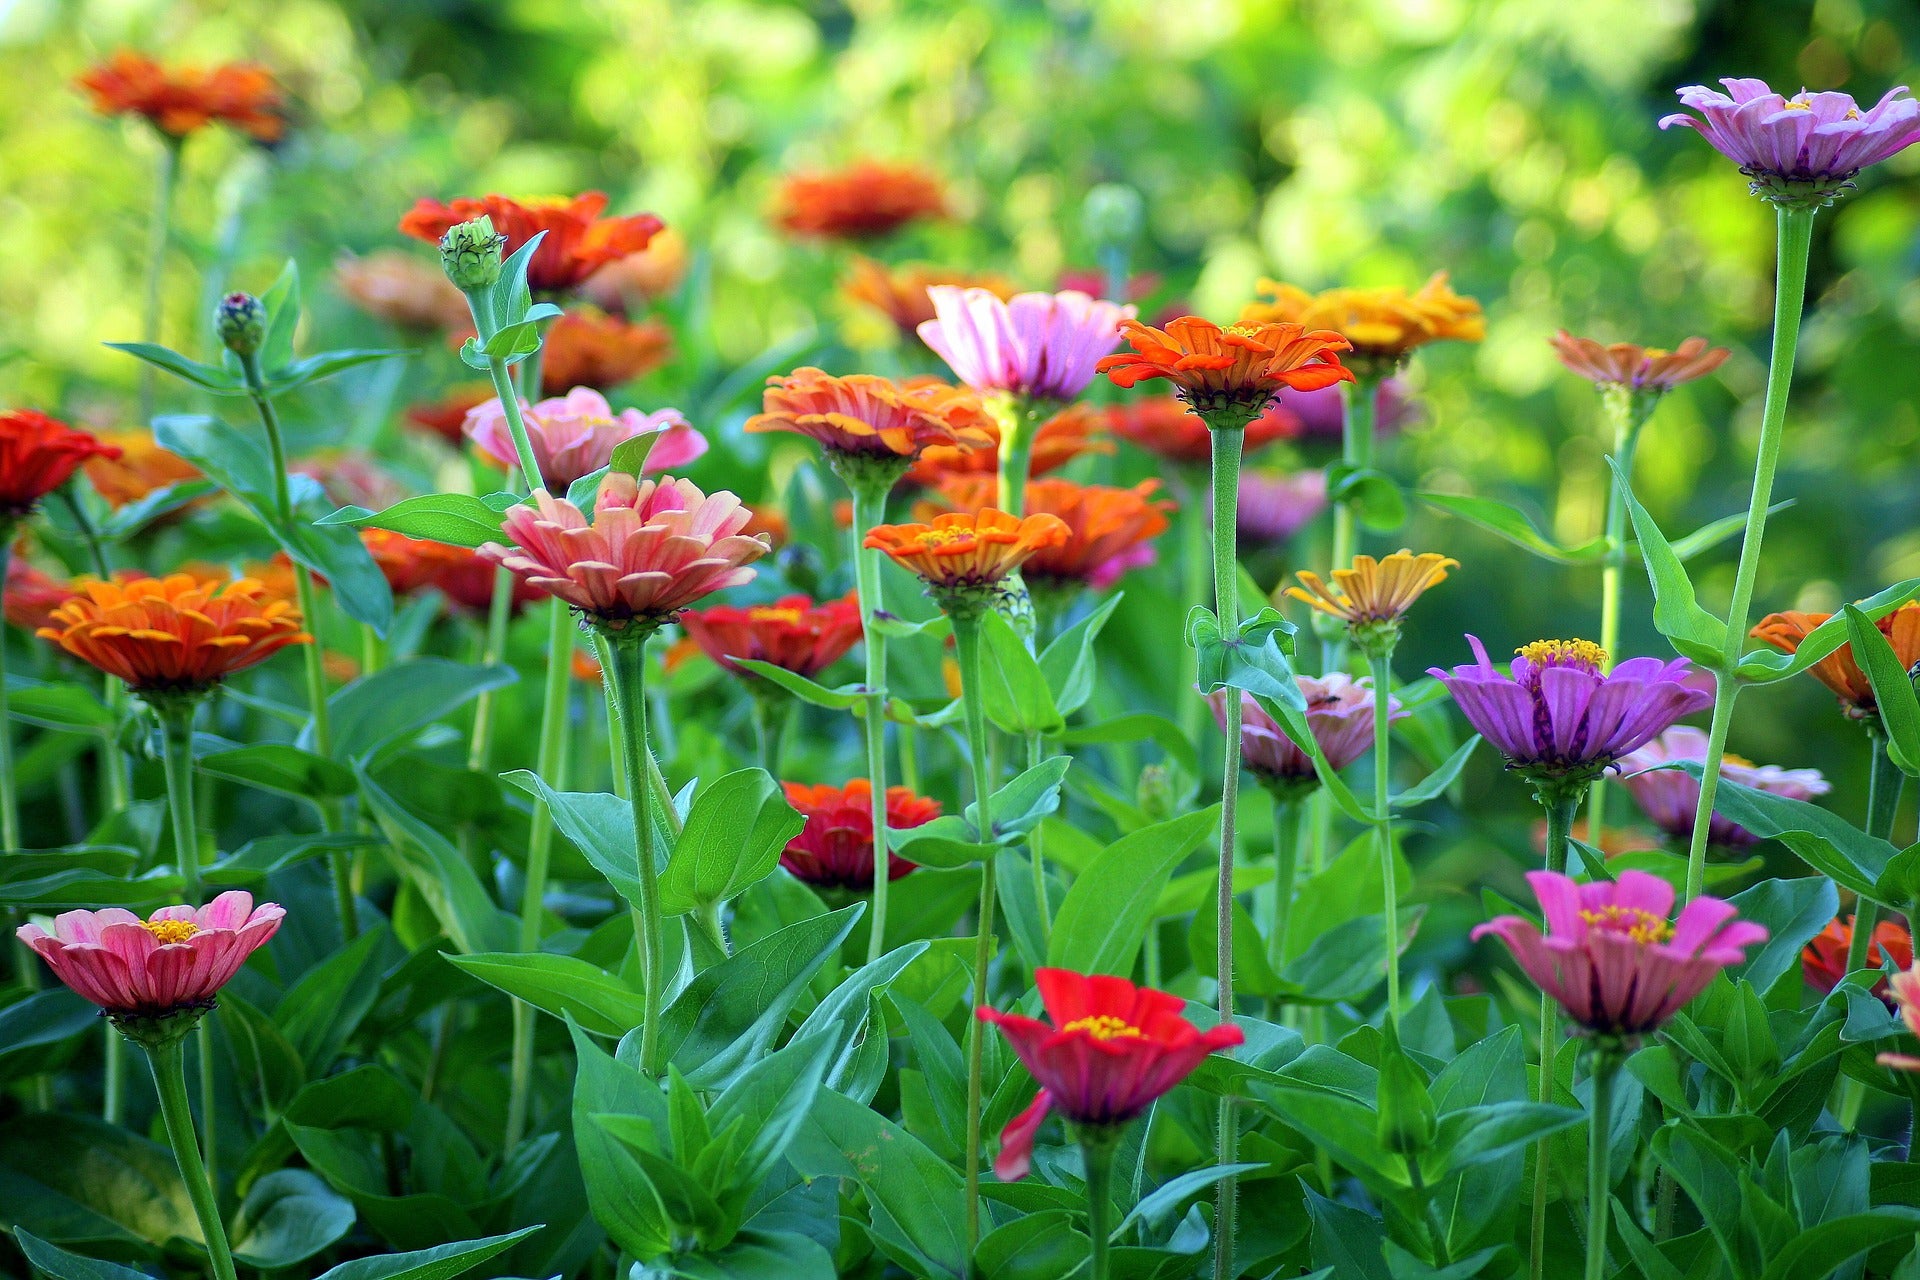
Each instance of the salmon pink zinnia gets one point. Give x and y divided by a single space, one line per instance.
574 435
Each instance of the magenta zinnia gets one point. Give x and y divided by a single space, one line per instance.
574 435
1041 345
1339 714
1813 141
1671 797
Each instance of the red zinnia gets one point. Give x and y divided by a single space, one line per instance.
793 633
458 573
38 454
1824 961
589 348
447 416
179 100
1233 370
579 241
860 202
835 848
31 595
1110 1050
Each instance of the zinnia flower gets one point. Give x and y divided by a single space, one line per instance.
447 416
579 241
1638 368
1373 595
1109 530
1613 956
1823 962
1106 1052
794 633
864 415
31 595
1273 508
1230 373
654 547
1040 345
1322 415
1838 670
180 634
1059 440
835 849
351 478
1384 325
1339 713
627 284
1808 146
1557 719
574 435
179 100
864 201
1165 427
138 467
402 290
412 565
959 553
1672 796
589 348
900 293
38 454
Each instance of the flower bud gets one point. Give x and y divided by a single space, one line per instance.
1155 793
470 254
241 322
1112 215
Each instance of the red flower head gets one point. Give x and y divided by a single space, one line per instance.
1824 961
1109 1051
861 202
179 100
1165 427
412 565
38 454
835 848
32 595
579 241
793 633
447 416
1233 372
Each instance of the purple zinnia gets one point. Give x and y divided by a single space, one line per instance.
1339 714
1671 797
1041 345
1557 719
1274 507
1804 147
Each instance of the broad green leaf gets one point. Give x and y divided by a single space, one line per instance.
435 868
1256 658
1437 781
458 519
72 708
1694 632
600 826
617 1188
563 986
916 1196
31 1029
441 1263
1824 840
137 515
1109 907
1793 911
1015 693
321 1012
1766 665
211 377
760 1255
1513 525
281 767
1070 663
394 702
1373 496
288 1216
61 1265
1892 689
846 696
1715 532
282 304
734 835
1819 1250
76 1179
1136 727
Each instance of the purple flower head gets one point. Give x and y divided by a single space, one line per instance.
1274 507
1671 796
1339 714
1322 416
1042 345
1614 957
1813 141
1557 719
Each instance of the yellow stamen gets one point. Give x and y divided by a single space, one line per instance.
1543 653
771 614
170 931
1104 1026
931 538
1637 923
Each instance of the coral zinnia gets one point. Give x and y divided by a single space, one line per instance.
1228 374
1384 325
1060 439
834 850
139 467
38 454
1671 797
179 100
1638 368
1823 962
864 415
575 435
1838 670
1039 345
960 552
794 633
654 547
1107 1050
1165 427
1613 956
402 290
1109 530
578 243
589 348
1808 146
900 293
1339 713
626 284
179 634
412 565
861 202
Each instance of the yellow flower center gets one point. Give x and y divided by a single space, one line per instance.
931 538
1563 653
1637 923
1797 105
768 613
170 931
1104 1026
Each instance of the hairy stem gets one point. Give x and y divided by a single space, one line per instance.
1228 442
626 694
1382 664
170 1081
966 635
869 509
1560 811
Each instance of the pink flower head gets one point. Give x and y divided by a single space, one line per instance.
1818 138
1670 796
653 548
574 435
1339 713
1043 345
177 959
1614 957
1274 507
1556 718
1320 415
1904 986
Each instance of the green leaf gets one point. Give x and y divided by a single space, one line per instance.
1256 658
444 879
617 1188
398 701
1136 727
1764 666
1069 662
1014 688
733 837
1474 1136
1793 911
1892 689
1824 840
1108 908
760 1255
1821 1249
288 1216
281 767
441 1263
1373 496
1437 781
282 304
74 1178
458 519
1694 632
61 1265
846 696
31 1028
1018 807
563 986
916 1196
322 1011
72 708
211 377
1715 532
137 515
1513 525
324 364
600 826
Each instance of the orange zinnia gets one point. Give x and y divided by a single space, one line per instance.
1060 439
447 416
1383 325
179 100
1838 670
38 454
1233 372
402 290
411 565
861 202
1163 425
957 551
900 293
1638 368
629 283
589 348
579 241
1108 529
865 414
174 635
141 467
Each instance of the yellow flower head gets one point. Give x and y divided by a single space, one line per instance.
1375 591
1383 325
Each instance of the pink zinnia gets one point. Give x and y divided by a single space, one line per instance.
574 435
1321 415
1818 138
653 548
1904 986
1339 714
1671 796
177 959
1275 507
1613 956
1043 345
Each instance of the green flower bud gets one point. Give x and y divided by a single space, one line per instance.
241 322
470 254
1112 215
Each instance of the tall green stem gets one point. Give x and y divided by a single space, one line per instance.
1096 1152
1599 1180
1017 429
626 673
1286 872
870 491
1194 569
158 232
113 761
1884 784
966 638
170 1081
1560 810
1627 412
1043 907
176 728
1795 233
9 796
771 709
1382 665
1358 399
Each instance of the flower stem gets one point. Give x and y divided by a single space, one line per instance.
1884 784
1627 413
1560 810
770 713
1036 751
176 728
170 1081
1795 236
499 614
1286 871
113 761
1382 664
1357 399
1605 1065
1018 427
1193 585
966 637
516 424
159 228
869 509
1096 1152
626 671
9 797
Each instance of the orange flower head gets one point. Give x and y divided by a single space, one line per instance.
180 100
834 850
962 553
626 285
866 416
1823 962
766 520
1638 368
1838 670
174 636
579 241
1383 325
589 348
900 293
864 201
31 595
1373 595
413 565
1109 530
402 290
1229 374
38 454
140 468
1062 438
447 416
1166 427
794 632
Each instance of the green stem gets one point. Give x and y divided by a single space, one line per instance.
176 727
1036 752
1627 412
770 712
1358 399
1795 237
869 509
1884 784
170 1081
1599 1180
1194 552
966 637
1560 811
1286 871
516 425
1096 1152
626 673
9 796
113 761
1382 664
158 232
114 1092
1017 429
1436 1227
499 614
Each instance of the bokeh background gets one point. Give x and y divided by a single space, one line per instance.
1510 142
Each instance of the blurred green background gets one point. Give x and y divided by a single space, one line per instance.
1512 142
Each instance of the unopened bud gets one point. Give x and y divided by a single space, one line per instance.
1112 215
241 322
1155 793
470 254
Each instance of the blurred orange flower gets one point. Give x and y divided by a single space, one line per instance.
141 468
627 284
863 413
579 241
402 290
1638 368
587 347
900 293
416 564
1383 325
1839 670
974 549
1232 371
179 100
31 595
863 201
1060 439
1108 528
447 416
1163 425
179 634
